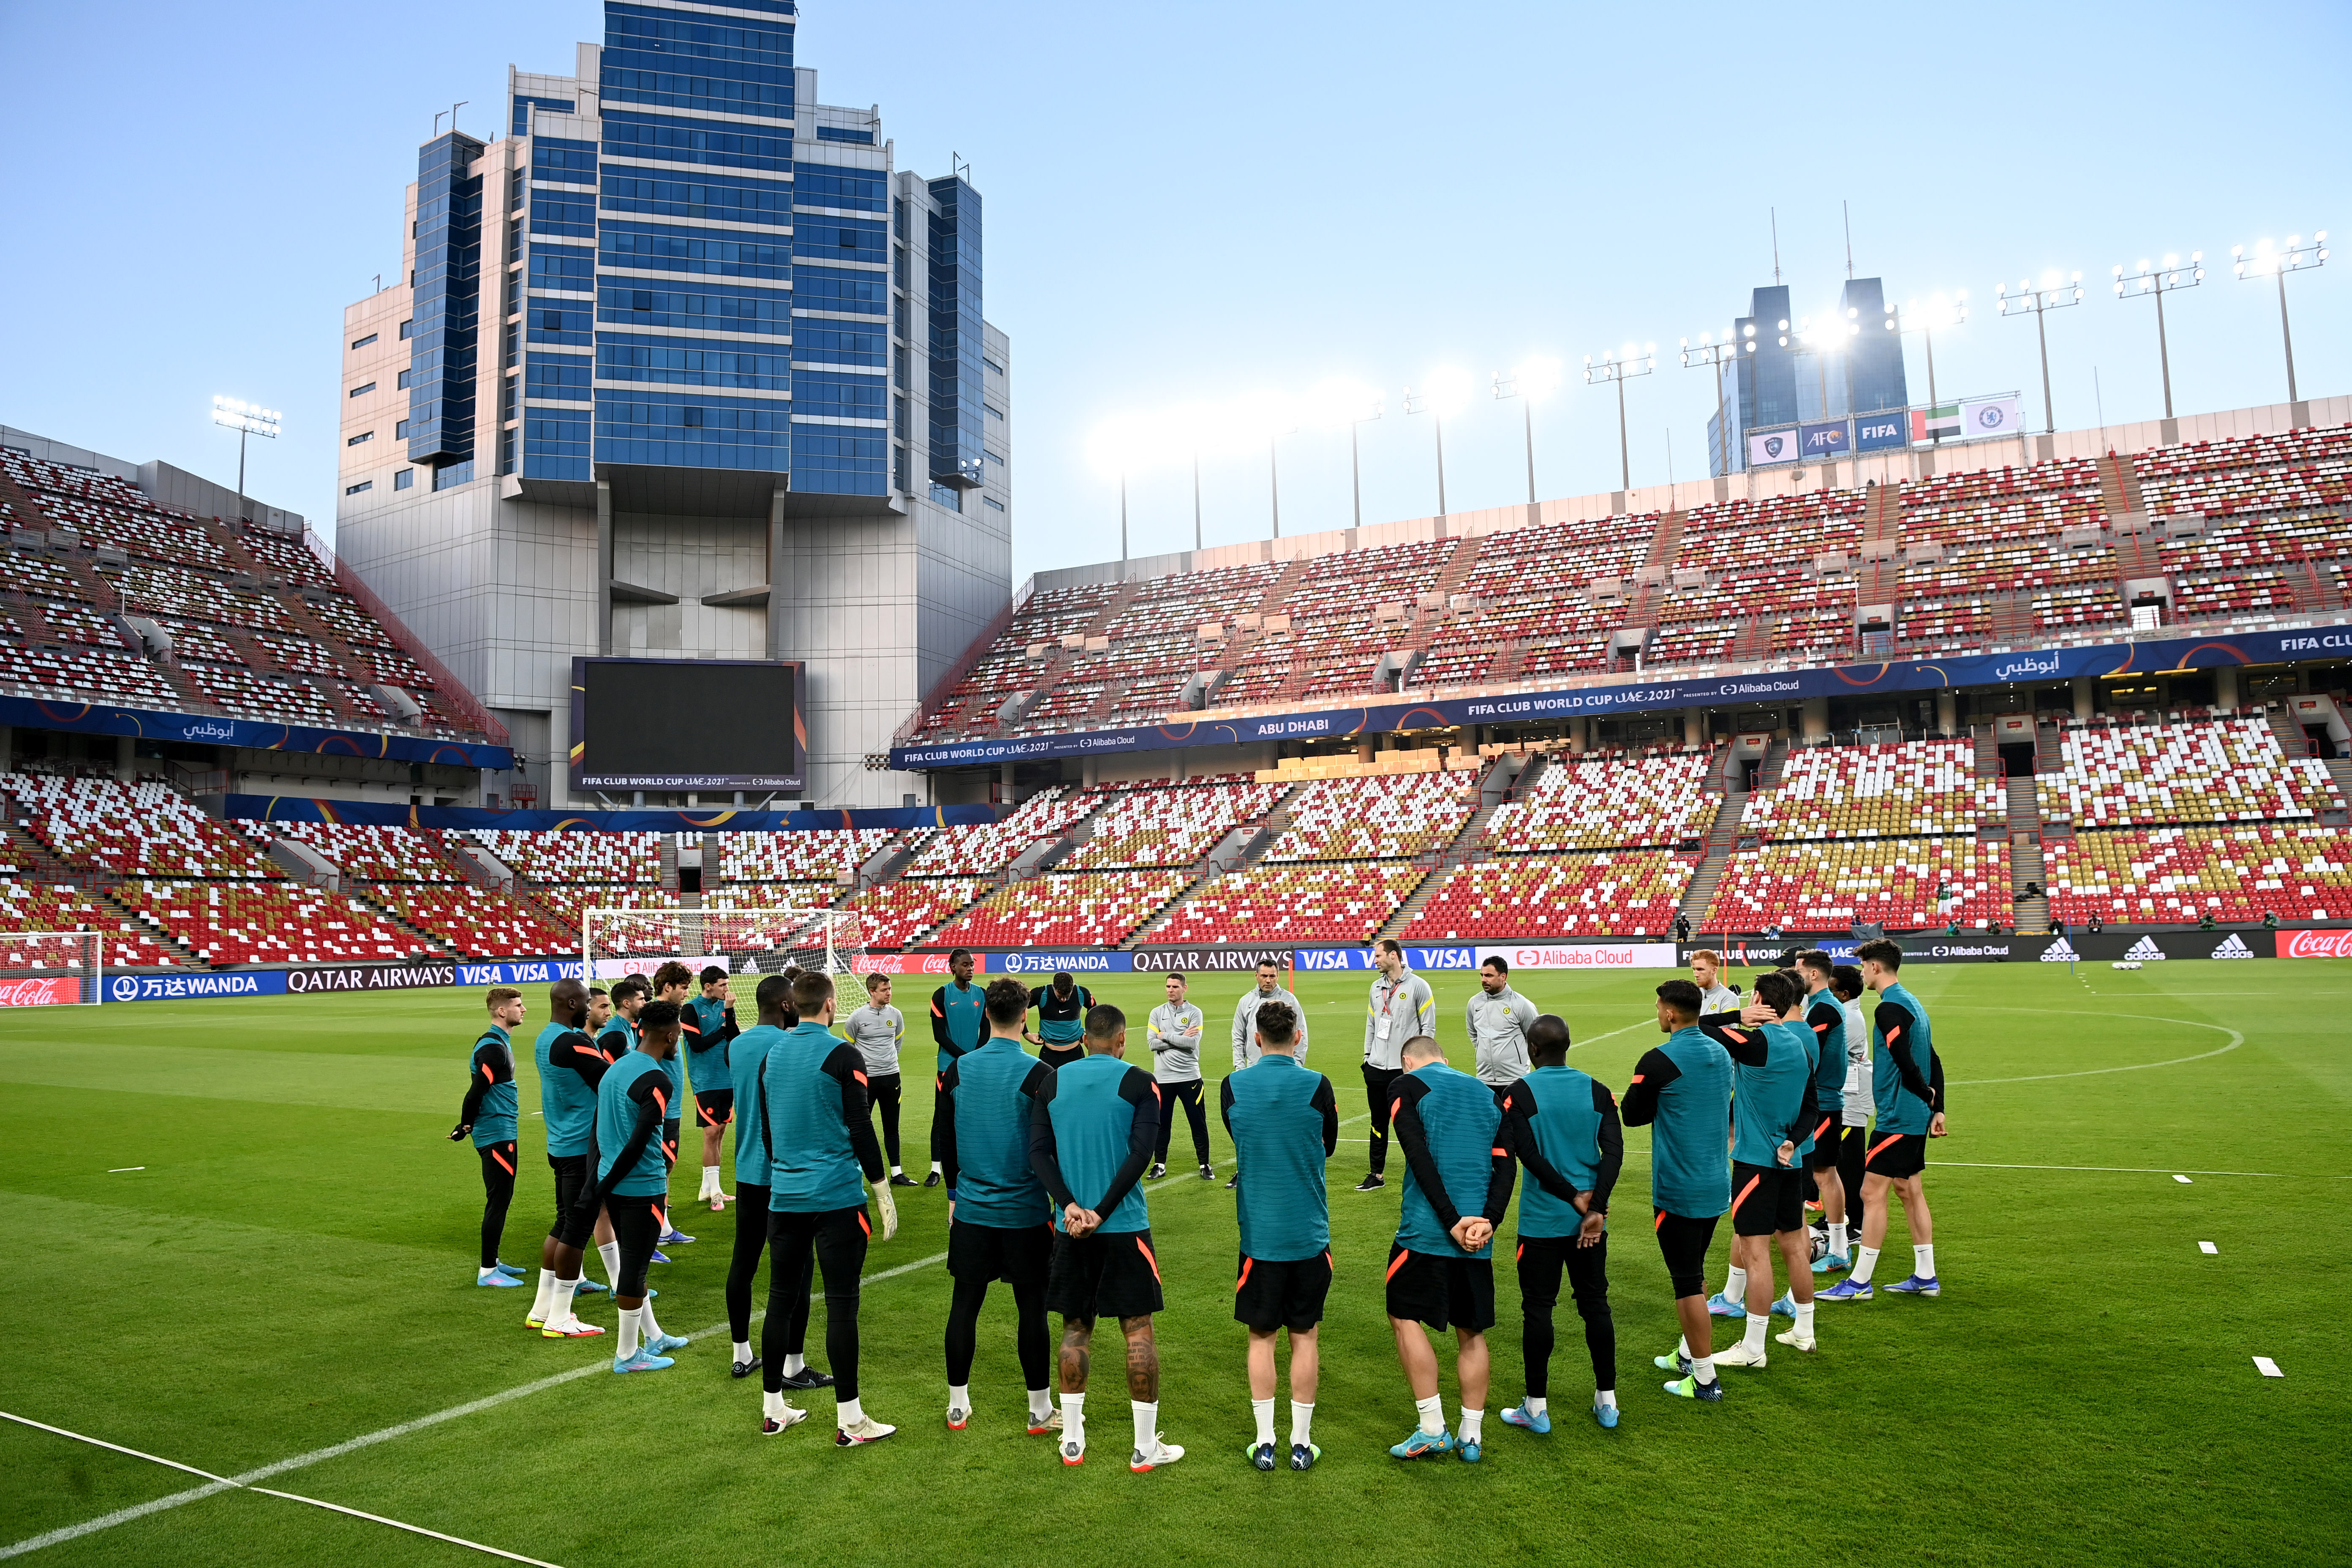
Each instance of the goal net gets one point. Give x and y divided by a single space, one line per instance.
627 941
49 969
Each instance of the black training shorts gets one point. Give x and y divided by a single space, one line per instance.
571 1228
1019 1255
714 1107
1766 1198
1684 1241
1444 1292
1060 1056
1281 1295
1824 1155
1113 1275
1896 1154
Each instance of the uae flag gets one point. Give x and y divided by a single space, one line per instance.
1933 423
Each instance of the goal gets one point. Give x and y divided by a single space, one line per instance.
50 968
760 941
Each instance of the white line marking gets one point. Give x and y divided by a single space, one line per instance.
120 1169
2236 1039
2267 1367
2208 1248
2143 1171
2182 1180
352 1445
219 1484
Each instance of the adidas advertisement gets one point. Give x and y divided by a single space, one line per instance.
2059 952
2075 947
2233 946
2144 950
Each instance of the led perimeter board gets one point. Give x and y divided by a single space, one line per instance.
687 724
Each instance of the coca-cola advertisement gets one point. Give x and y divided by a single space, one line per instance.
42 990
2315 944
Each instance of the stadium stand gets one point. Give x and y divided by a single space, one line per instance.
1911 789
1059 908
146 829
2225 770
1324 901
1907 883
266 922
1595 801
1173 827
1629 892
28 906
1375 817
556 858
807 858
472 922
2293 871
892 916
990 847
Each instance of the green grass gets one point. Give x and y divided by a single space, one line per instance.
293 1268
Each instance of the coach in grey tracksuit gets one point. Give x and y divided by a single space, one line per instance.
1497 1021
1401 1007
876 1030
1268 989
1174 1032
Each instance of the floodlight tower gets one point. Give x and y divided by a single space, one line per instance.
1637 359
1533 378
245 419
2265 262
2056 293
1718 354
1924 316
2159 281
1444 393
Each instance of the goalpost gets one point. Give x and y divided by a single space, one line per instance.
620 941
51 969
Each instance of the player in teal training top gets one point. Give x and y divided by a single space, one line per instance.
745 1053
957 1021
816 1126
1561 1124
1284 1123
569 1068
1061 1020
674 982
488 1117
1772 1132
1442 1267
1907 1077
999 1218
712 1014
1682 1092
632 1179
1090 1137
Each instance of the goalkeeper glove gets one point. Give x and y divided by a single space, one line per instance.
889 1207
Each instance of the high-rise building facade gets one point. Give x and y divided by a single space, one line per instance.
1853 364
683 366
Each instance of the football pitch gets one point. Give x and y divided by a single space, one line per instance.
242 1243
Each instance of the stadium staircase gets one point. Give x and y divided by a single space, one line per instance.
2012 620
1722 842
1754 641
1253 848
1429 620
1667 540
1882 518
2025 862
2119 485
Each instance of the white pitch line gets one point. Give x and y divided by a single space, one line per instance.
219 1484
2148 1171
352 1445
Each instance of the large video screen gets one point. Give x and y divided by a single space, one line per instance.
683 724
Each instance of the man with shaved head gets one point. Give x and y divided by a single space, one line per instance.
569 1068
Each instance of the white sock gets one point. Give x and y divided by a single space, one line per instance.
627 1345
1757 1328
772 1405
1837 1239
1606 1398
1536 1404
1146 1425
646 1319
935 1169
1703 1368
559 1302
1682 1347
1073 1417
896 1172
742 1350
710 1188
959 1396
1923 1261
1302 1421
793 1364
1472 1423
546 1291
1805 1320
610 1251
847 1413
1432 1415
1041 1403
1263 1410
1735 1283
484 1273
1864 1261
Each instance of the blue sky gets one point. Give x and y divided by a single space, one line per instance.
1207 203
